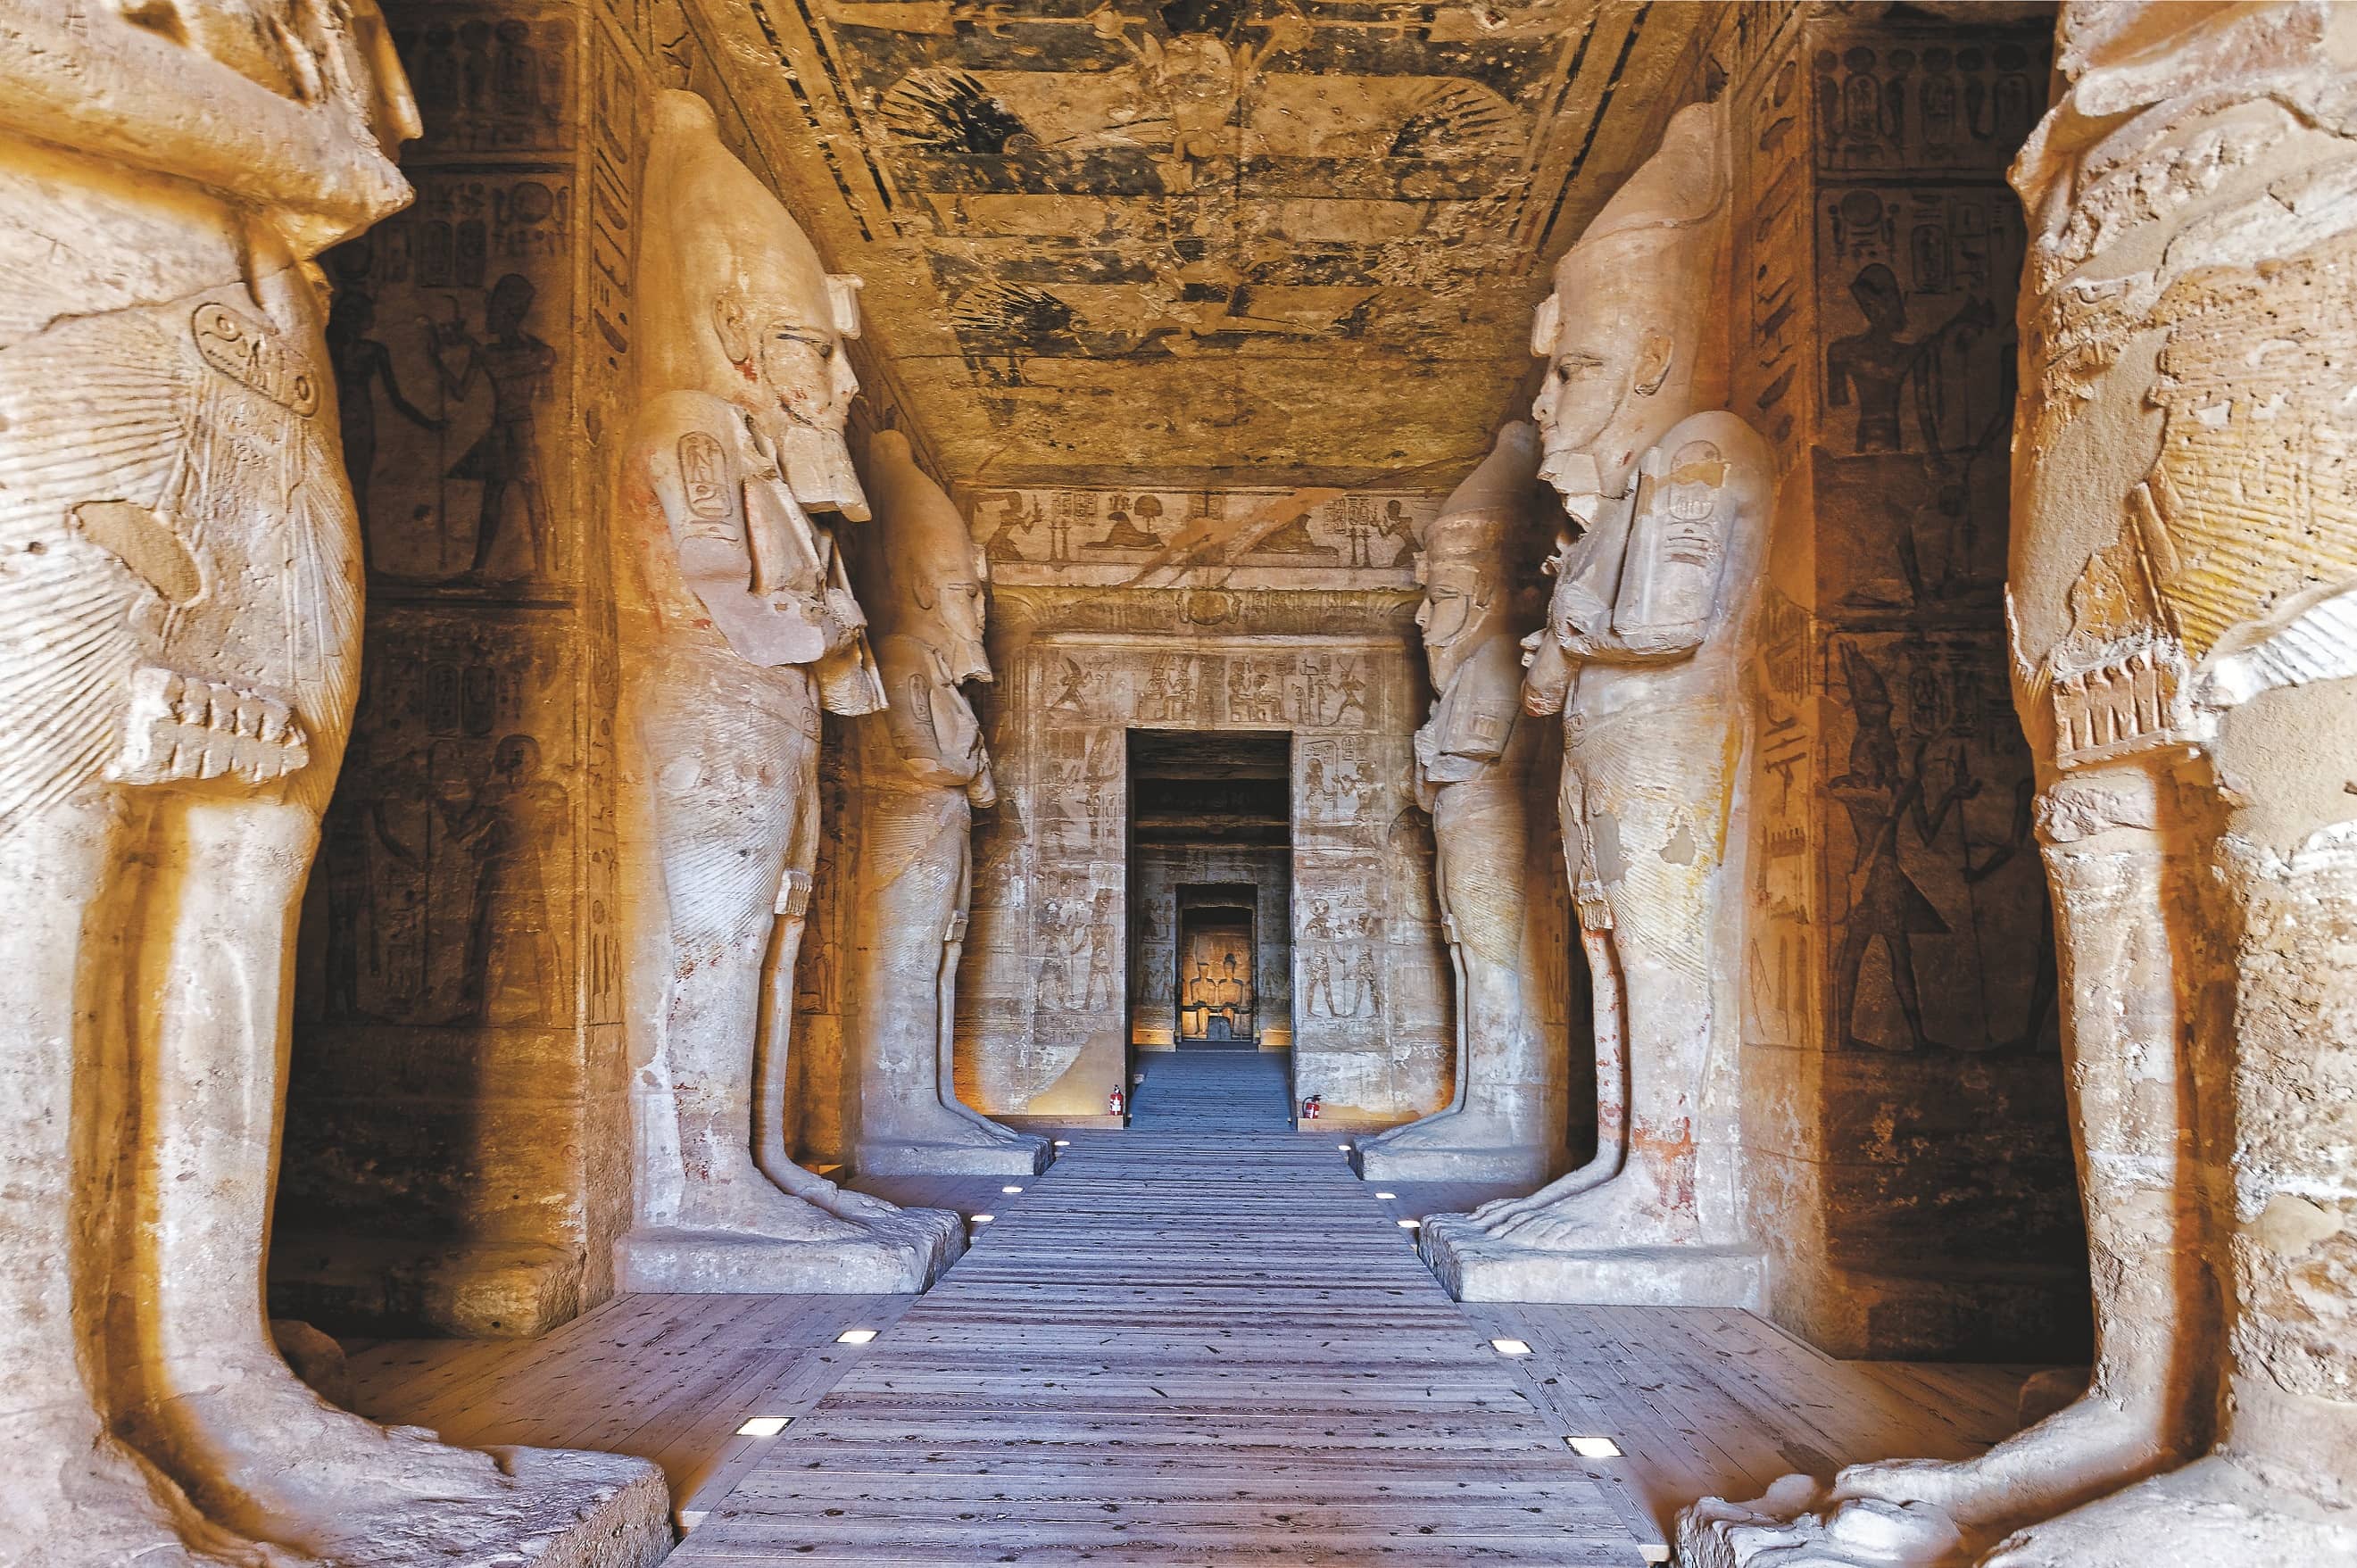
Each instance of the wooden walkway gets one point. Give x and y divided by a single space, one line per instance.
1192 1343
1204 1355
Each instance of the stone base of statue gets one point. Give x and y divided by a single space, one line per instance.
1018 1154
561 1510
1477 1266
900 1259
1520 1166
473 1289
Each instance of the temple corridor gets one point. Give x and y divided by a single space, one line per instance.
1177 782
1197 1341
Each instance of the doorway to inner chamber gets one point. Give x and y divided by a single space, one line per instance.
1210 882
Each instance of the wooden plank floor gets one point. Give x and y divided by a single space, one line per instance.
1197 1342
1145 1413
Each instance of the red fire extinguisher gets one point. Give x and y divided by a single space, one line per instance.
1309 1107
1118 1102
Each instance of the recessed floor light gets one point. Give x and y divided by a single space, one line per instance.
982 1219
1594 1447
1010 1189
854 1337
1387 1195
1411 1224
1344 1147
1063 1142
764 1426
1510 1347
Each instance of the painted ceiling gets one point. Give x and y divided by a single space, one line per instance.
1273 242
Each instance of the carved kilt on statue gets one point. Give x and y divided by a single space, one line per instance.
2182 602
737 626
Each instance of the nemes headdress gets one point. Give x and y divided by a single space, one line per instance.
923 540
1667 223
712 229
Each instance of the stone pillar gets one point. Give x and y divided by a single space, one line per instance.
2182 600
460 953
1902 1089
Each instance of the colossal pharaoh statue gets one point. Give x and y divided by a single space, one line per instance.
2183 604
738 626
180 643
922 772
1507 1118
1644 654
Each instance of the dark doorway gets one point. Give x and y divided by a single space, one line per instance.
1210 878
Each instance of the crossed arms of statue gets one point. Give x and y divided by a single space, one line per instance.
934 730
1655 577
770 577
1472 722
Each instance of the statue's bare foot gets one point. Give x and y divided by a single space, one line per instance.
265 1455
77 1498
1619 1214
1442 1129
958 1124
1923 1513
2079 1452
743 1201
1793 1527
2216 1512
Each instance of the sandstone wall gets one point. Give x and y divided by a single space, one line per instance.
457 1133
1255 611
1902 1085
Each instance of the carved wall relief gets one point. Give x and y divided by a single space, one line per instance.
1045 1006
1903 1100
469 911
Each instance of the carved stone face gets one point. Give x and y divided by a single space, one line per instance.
960 610
1458 595
1608 358
803 374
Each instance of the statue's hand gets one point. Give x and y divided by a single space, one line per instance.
1547 684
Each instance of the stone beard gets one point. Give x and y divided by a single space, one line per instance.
739 625
1507 1120
923 769
1647 640
179 647
2183 606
